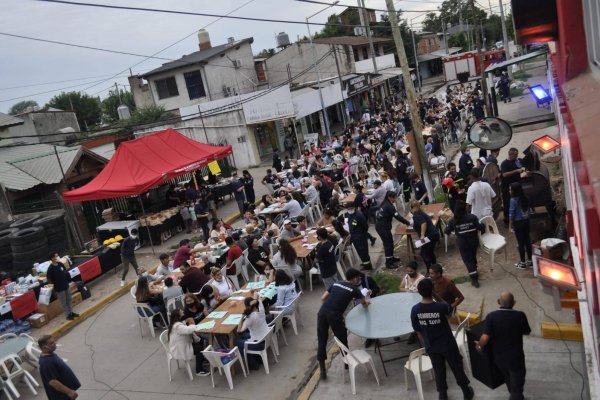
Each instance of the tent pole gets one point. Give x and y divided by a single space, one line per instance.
146 221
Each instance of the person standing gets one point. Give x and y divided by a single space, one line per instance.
128 254
276 160
60 383
426 232
444 289
331 314
238 192
248 182
466 226
383 225
359 233
57 275
465 163
491 174
519 222
479 196
325 257
429 321
510 170
504 329
456 187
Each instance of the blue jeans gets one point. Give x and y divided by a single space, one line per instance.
253 359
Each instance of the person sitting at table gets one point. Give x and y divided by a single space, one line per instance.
171 291
193 278
340 233
310 191
301 224
233 254
181 342
288 231
164 268
258 256
223 287
207 262
265 201
411 279
267 239
325 258
425 229
444 288
337 192
193 309
184 252
152 296
292 207
286 259
299 197
286 292
271 226
208 297
217 231
239 241
269 179
253 326
337 175
326 219
248 214
251 231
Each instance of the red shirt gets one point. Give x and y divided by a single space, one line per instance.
233 254
182 255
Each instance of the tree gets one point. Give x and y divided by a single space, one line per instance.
22 106
333 27
148 115
86 108
110 104
383 29
458 40
266 53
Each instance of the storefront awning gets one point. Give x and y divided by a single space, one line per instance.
141 164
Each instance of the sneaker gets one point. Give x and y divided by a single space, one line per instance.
70 317
75 315
468 393
203 372
392 266
475 283
529 264
122 283
521 265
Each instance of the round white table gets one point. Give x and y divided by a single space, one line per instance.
387 316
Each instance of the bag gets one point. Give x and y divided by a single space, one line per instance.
84 290
45 295
224 359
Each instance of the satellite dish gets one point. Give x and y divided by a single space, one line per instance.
490 133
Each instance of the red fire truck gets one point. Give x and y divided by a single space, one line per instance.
469 62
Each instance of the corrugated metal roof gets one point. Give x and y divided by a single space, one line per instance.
8 120
514 60
23 167
195 57
351 40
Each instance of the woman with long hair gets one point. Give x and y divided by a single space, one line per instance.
286 259
465 225
193 308
253 326
145 294
217 231
286 292
340 232
181 341
518 214
223 287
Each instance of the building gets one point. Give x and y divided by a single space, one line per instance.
351 19
572 28
208 74
43 126
428 43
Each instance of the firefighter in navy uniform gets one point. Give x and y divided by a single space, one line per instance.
359 233
466 226
383 225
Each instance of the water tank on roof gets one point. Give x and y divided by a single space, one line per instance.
123 112
283 40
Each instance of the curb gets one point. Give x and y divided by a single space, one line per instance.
313 381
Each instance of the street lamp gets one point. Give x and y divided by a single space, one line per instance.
316 66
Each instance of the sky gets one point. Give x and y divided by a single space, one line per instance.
33 70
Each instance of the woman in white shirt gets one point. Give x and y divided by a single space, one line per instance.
271 226
216 231
222 285
181 341
253 326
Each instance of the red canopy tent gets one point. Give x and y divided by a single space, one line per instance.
144 163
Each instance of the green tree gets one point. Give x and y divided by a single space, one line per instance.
333 27
458 40
110 104
22 106
86 108
383 29
266 53
148 115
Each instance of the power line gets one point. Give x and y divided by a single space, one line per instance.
51 83
369 8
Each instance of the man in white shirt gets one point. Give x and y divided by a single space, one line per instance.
378 194
479 195
386 182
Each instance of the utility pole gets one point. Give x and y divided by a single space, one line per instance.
417 147
445 38
416 58
316 67
505 38
484 88
337 66
363 10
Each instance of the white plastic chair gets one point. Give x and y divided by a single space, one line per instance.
268 341
491 241
417 363
353 359
277 323
244 265
215 358
311 272
132 292
238 262
443 229
33 354
461 340
176 303
164 340
275 310
145 313
11 369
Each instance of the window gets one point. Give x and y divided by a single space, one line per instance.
167 87
365 53
592 30
195 86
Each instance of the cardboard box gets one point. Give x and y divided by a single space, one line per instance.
51 310
38 320
552 253
76 299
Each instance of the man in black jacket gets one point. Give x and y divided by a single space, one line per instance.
359 233
128 254
383 226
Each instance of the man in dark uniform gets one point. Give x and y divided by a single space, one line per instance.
419 188
402 175
335 301
276 160
359 233
465 163
510 170
504 329
383 225
429 321
457 190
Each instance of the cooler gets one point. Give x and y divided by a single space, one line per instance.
482 365
114 228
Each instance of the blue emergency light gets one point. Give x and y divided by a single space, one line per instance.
540 94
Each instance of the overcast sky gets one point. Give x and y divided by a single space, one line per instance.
29 68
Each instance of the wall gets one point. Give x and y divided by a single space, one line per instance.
383 62
217 72
428 44
300 57
43 123
142 95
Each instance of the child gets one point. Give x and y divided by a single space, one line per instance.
192 211
187 218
